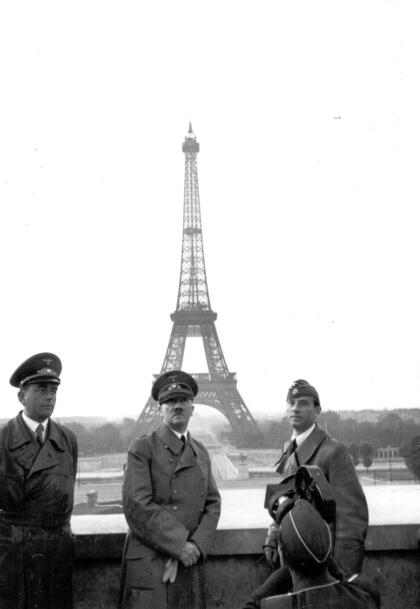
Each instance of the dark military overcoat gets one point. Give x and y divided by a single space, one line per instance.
352 517
169 497
36 500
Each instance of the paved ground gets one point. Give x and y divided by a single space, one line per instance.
243 507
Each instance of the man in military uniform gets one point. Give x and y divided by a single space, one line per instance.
306 543
311 445
171 504
38 462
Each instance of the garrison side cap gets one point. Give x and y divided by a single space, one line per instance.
302 388
174 384
42 367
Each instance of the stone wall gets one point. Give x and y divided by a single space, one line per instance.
235 567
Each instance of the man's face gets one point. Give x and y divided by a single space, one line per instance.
176 413
302 413
38 400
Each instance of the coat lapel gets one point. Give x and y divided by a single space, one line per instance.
307 449
19 434
22 443
288 463
281 463
26 448
169 439
186 455
48 456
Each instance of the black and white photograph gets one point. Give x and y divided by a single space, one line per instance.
210 304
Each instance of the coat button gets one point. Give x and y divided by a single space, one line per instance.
175 507
175 492
170 460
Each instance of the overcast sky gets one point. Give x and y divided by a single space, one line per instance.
307 115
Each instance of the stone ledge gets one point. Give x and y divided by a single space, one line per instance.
234 542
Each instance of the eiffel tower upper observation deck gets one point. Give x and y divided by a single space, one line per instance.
194 316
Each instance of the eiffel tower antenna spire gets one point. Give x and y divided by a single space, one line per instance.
194 317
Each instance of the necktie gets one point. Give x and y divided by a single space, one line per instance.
183 439
39 432
293 447
287 452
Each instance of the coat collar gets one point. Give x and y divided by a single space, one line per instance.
169 439
304 452
188 456
20 434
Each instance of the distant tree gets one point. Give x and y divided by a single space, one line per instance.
389 429
367 432
331 422
84 438
411 454
129 430
77 428
366 453
409 430
367 461
107 439
275 433
355 453
247 438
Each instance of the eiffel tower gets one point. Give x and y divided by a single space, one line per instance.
194 317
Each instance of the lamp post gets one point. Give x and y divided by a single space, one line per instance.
389 462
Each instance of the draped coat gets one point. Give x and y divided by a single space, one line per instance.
36 500
169 497
336 463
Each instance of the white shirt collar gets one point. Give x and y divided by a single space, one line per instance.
177 433
302 436
34 424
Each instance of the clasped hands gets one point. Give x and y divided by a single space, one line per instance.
189 556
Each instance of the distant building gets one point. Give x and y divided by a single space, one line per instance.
388 452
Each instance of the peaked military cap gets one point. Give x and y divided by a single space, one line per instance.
174 384
302 388
40 368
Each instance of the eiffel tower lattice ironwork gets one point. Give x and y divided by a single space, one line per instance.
194 316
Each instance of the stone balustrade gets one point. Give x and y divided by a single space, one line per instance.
235 565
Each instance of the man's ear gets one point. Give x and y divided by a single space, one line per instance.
21 396
192 409
318 411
